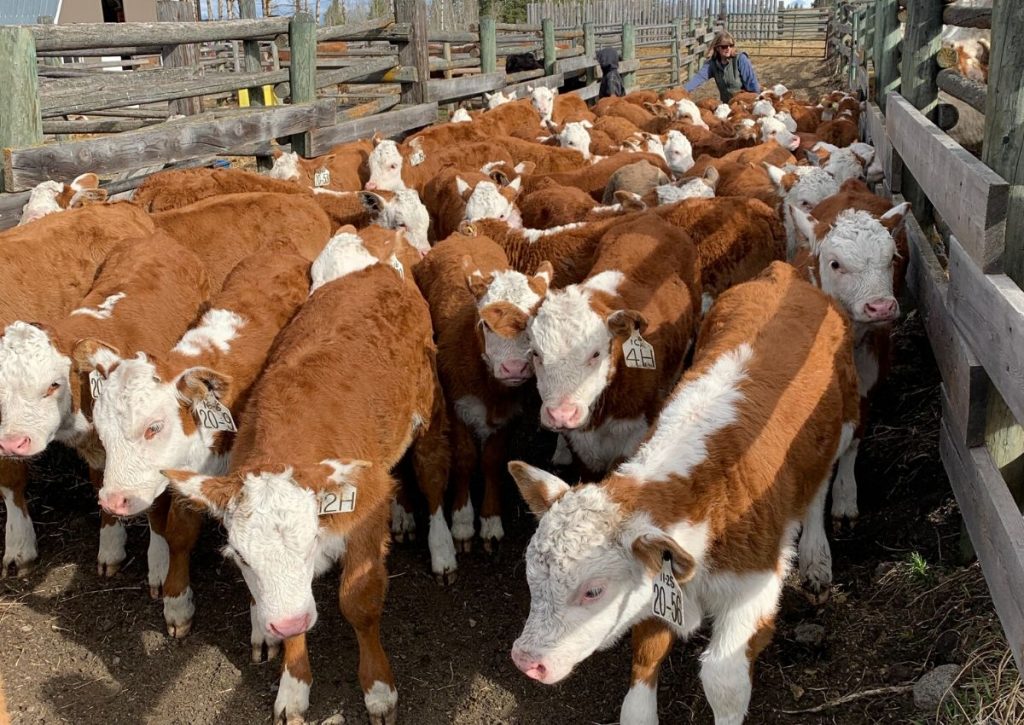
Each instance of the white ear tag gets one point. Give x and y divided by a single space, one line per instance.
321 177
638 352
397 266
342 501
417 157
667 602
213 415
95 384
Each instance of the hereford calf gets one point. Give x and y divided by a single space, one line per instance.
852 257
70 247
699 523
53 196
310 486
410 167
144 296
158 409
480 308
176 188
457 196
343 168
594 178
607 349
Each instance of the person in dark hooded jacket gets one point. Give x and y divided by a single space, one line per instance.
611 80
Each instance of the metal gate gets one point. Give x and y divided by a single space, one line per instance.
763 30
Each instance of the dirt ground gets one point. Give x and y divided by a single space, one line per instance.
75 648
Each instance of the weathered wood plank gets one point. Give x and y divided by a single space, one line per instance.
184 55
450 90
10 208
995 526
197 136
20 119
628 66
588 92
965 17
989 311
108 125
962 374
973 93
521 89
876 136
967 194
358 31
391 123
415 53
571 65
104 35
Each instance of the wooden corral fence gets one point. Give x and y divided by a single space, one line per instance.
967 282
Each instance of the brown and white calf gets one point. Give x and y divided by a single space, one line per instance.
175 188
699 523
343 168
144 296
163 410
480 307
70 247
606 350
455 196
394 167
349 388
53 196
852 257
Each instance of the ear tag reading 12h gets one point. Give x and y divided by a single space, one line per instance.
212 415
638 352
667 603
321 177
342 501
95 384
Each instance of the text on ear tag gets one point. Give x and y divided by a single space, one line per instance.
321 177
341 501
417 157
95 384
397 266
638 352
667 602
213 415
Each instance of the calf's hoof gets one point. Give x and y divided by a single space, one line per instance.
16 567
844 524
179 630
108 568
264 651
156 591
816 593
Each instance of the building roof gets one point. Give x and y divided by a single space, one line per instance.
25 12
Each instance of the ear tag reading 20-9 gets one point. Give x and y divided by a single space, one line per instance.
342 501
321 177
638 352
213 415
667 602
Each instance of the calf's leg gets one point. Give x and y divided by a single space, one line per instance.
112 534
652 641
183 525
19 534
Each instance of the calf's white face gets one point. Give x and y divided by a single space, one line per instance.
487 202
141 421
286 167
543 99
385 163
572 350
678 152
273 536
856 261
407 212
35 397
587 571
505 301
575 136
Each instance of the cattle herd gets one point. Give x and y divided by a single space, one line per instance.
694 299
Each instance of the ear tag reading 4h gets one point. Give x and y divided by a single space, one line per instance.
95 384
212 415
321 177
638 352
667 602
342 501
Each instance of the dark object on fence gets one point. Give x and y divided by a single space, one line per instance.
522 61
611 81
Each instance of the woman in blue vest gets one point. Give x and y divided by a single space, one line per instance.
733 72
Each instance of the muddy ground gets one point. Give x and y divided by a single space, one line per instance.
75 648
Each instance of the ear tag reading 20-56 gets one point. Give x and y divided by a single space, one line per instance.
321 177
342 501
667 602
213 415
95 384
638 352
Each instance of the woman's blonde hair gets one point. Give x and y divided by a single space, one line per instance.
722 37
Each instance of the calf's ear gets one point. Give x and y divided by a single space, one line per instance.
196 384
90 354
651 547
895 218
622 323
214 494
539 489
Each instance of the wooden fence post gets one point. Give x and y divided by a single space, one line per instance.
920 45
488 45
677 50
251 62
21 122
51 61
180 56
302 71
590 49
854 41
629 53
416 52
547 26
691 64
1003 151
887 35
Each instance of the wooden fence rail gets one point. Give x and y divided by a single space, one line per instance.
972 311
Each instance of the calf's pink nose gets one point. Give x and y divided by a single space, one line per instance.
564 416
15 445
514 368
884 308
115 503
289 626
529 665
